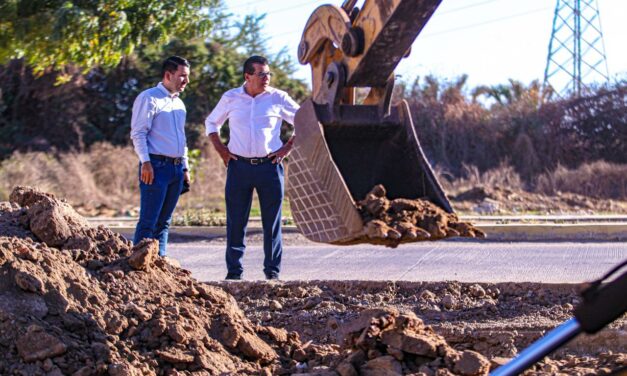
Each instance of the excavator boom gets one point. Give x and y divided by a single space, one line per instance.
369 42
345 146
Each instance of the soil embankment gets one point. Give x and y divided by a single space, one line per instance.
77 300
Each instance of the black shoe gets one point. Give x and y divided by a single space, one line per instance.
272 277
233 276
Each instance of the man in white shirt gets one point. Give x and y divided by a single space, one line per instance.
254 161
158 134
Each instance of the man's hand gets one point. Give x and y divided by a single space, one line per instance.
222 150
284 151
186 182
147 173
225 154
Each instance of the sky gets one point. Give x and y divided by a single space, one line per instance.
490 40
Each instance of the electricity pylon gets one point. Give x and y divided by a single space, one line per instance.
576 51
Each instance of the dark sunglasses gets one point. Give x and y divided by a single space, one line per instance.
264 74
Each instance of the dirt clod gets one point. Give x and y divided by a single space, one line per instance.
143 254
391 222
498 325
36 344
395 340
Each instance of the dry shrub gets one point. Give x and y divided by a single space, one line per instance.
114 170
104 175
99 176
209 179
33 169
526 161
502 176
597 179
452 129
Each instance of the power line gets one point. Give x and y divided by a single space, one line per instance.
439 14
272 11
517 15
224 7
467 7
292 7
317 1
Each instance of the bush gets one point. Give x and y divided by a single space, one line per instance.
502 176
99 176
105 174
597 179
515 124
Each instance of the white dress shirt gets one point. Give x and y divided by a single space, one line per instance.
254 122
158 124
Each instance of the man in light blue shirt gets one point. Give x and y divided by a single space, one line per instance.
158 134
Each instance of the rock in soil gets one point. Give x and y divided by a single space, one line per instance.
391 222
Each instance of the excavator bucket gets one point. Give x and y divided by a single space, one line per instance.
357 172
338 158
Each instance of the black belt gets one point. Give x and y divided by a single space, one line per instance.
175 161
254 161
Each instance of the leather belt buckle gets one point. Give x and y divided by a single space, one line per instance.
255 161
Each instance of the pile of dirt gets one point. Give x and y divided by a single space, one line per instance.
497 320
387 342
391 222
500 200
77 300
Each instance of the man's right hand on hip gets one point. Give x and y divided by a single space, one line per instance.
222 149
226 155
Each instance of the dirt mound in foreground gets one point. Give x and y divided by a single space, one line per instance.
78 300
81 301
497 320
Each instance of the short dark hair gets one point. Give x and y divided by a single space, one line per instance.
255 59
172 63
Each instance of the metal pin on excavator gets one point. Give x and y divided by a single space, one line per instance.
343 149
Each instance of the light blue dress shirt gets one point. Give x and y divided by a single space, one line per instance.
158 124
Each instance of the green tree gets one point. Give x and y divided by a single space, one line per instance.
87 33
515 93
96 105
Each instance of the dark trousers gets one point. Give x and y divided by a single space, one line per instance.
241 179
158 201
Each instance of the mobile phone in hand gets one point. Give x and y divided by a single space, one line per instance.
185 188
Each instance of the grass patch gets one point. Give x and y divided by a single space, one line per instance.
217 217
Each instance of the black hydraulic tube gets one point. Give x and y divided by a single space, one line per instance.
602 304
539 349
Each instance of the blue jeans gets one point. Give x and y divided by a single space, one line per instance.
158 201
241 178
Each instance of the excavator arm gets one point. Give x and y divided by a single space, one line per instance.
345 148
368 43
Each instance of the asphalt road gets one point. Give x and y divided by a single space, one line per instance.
464 261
